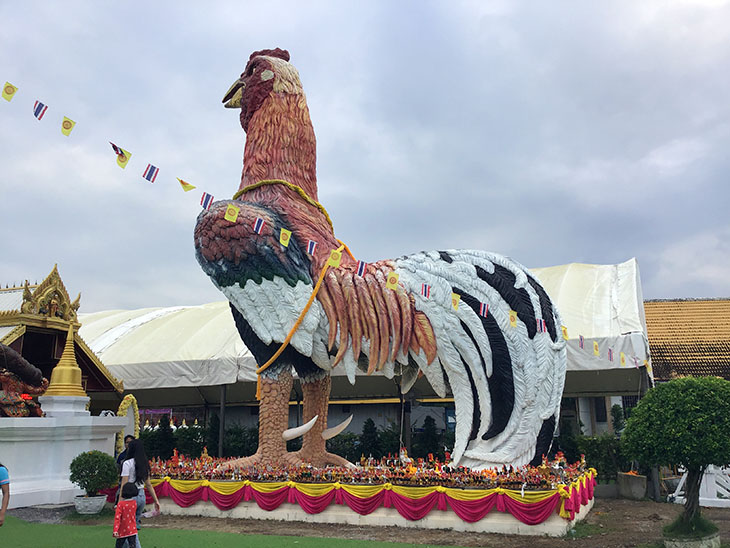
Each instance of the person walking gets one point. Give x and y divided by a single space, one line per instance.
125 523
136 470
5 488
123 455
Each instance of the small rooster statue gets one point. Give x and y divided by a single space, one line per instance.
474 323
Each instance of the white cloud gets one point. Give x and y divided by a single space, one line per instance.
675 156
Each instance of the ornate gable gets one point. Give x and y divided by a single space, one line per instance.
50 299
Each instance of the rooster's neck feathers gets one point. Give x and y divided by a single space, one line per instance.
280 144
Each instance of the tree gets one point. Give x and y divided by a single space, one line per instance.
683 422
428 440
617 418
370 440
189 440
240 441
211 436
346 445
390 440
165 438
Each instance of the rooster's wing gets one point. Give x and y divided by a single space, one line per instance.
506 380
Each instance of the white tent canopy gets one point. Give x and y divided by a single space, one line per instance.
601 303
170 347
197 346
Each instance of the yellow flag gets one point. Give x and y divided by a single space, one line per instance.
335 258
595 349
285 237
455 298
123 159
623 359
187 187
392 280
231 213
565 332
67 125
8 91
513 318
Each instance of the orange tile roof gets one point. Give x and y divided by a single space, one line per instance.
689 337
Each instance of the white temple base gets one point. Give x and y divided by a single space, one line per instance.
494 522
62 406
38 451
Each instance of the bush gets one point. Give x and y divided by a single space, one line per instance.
346 445
240 441
189 441
149 440
697 528
93 471
567 442
604 454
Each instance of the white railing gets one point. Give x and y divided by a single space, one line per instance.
714 489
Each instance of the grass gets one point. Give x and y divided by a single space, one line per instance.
697 528
16 532
583 529
106 514
661 545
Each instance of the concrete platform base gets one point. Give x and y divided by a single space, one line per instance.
494 522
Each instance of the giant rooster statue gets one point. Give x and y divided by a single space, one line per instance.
473 322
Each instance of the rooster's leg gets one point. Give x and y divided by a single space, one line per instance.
273 420
316 396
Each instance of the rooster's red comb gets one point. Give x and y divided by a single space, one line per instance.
280 53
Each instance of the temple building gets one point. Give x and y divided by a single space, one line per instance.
689 337
35 321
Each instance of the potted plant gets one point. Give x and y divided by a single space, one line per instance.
93 471
684 422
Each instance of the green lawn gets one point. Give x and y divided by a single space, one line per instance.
40 535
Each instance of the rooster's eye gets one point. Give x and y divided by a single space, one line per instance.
250 70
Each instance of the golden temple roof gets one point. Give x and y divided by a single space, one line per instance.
46 307
689 337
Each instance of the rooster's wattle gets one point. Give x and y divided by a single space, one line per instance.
505 367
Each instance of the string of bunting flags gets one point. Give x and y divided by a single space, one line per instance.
123 156
637 362
151 172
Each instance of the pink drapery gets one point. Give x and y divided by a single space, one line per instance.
410 508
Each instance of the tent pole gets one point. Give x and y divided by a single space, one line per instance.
222 427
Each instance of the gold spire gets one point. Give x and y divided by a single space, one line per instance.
66 376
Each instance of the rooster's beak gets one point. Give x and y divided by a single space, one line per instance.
234 95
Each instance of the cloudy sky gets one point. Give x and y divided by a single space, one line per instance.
553 132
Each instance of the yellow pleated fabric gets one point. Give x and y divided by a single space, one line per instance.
362 491
227 487
314 489
268 487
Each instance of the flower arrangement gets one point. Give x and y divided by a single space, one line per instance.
390 469
128 401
